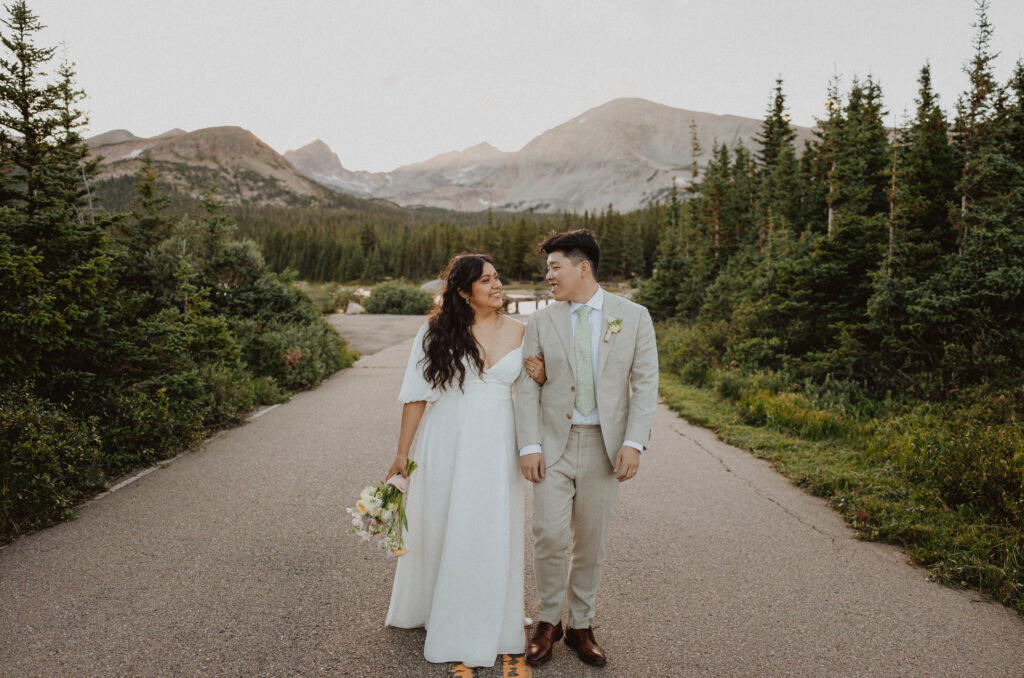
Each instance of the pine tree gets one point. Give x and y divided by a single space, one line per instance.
831 135
973 135
373 270
965 317
859 153
53 248
926 171
776 132
779 191
814 210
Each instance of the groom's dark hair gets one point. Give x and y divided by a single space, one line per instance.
576 246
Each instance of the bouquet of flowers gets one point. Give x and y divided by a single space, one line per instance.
379 515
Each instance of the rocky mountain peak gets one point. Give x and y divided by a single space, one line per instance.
171 133
316 157
114 136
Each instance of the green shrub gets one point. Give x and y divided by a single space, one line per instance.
50 461
964 459
730 384
232 391
329 297
295 355
398 297
789 412
153 420
692 351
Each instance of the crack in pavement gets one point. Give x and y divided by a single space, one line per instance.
761 493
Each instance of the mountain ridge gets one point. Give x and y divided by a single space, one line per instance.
628 152
235 161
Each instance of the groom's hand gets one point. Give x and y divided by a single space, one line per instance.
532 467
627 462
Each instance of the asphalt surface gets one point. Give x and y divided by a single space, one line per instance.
234 560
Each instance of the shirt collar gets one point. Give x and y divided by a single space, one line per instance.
595 302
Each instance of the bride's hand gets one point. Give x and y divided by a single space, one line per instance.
398 467
535 368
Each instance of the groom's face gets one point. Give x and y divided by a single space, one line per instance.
564 277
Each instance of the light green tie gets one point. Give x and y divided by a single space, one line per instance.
585 401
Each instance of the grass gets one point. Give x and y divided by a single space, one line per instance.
850 463
329 297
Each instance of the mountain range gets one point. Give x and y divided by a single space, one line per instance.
627 153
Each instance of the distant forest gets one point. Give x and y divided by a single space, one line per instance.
366 241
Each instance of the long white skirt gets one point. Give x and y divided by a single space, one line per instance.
463 575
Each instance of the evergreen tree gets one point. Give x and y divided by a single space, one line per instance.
776 132
926 171
859 153
373 270
974 136
779 191
814 210
52 251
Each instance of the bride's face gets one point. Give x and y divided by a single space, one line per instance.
487 290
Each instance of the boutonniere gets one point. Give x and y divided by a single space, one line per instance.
614 327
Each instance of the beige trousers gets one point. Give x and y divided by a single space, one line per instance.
572 506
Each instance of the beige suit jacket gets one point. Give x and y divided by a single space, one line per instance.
626 383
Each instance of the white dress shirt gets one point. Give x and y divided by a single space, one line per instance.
596 303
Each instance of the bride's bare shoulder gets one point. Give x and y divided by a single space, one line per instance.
518 326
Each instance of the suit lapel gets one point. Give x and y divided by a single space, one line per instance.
609 311
561 316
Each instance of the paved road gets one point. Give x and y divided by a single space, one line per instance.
234 561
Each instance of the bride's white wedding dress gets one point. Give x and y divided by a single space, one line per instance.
463 575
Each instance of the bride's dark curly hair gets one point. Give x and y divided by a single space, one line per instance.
448 337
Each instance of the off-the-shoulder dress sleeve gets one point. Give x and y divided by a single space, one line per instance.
414 386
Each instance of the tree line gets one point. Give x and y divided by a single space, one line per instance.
863 298
327 244
894 258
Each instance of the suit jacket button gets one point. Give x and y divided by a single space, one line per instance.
569 416
572 388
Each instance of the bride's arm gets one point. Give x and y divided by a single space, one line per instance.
411 415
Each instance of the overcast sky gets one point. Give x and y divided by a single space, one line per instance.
390 82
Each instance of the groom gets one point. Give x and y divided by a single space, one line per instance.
581 433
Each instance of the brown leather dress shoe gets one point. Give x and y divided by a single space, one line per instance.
582 641
538 650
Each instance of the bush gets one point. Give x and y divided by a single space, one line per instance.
153 420
50 461
329 297
965 459
398 297
692 351
790 412
295 355
232 391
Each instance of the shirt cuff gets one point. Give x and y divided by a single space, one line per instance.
630 443
530 449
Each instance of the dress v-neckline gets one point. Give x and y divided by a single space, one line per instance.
495 363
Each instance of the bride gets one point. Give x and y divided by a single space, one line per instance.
463 576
